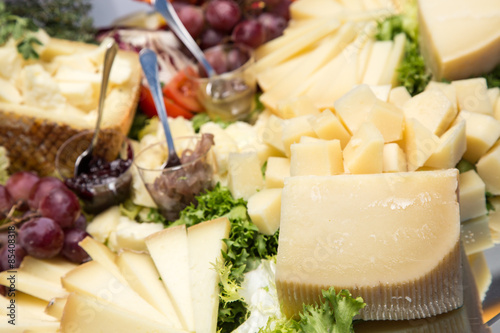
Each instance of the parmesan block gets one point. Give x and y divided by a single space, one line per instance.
460 40
365 151
450 149
244 174
482 131
488 167
320 158
353 107
432 109
399 96
472 95
278 168
328 127
476 235
294 129
420 143
264 209
472 199
394 158
205 242
388 119
349 231
481 271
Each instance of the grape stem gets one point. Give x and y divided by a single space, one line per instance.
11 220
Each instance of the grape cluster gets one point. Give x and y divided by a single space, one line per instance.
49 216
249 22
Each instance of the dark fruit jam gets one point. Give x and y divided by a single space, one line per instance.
105 185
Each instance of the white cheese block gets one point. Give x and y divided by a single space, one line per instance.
244 174
349 231
320 158
169 250
472 95
264 209
476 235
277 169
482 131
365 151
328 127
394 158
472 195
460 40
33 285
90 315
450 149
205 242
103 224
140 272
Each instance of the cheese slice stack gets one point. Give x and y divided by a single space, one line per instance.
392 239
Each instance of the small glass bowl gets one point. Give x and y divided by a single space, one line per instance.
228 96
101 189
175 188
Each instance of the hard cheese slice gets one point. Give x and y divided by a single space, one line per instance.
392 239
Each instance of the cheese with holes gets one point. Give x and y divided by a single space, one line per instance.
461 39
349 231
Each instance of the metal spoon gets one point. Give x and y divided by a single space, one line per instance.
82 164
149 65
165 8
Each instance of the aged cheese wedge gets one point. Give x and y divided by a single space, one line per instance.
55 308
205 242
450 148
349 231
32 285
388 119
420 143
353 108
461 39
47 269
294 129
103 224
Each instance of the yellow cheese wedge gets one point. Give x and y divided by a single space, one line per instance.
472 199
328 127
296 107
461 40
270 77
278 168
103 224
349 231
472 95
205 242
450 149
47 269
476 235
388 119
399 96
354 107
482 131
487 168
55 308
327 157
26 307
32 325
32 285
264 209
294 129
378 60
244 174
365 151
394 158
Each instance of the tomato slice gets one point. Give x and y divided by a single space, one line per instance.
182 90
148 107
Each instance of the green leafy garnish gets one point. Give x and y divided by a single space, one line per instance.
202 118
4 165
139 124
493 77
489 205
20 29
141 213
464 166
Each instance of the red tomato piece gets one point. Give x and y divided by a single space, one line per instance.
148 107
182 91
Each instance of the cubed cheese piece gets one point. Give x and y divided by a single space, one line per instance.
388 119
381 91
399 96
378 60
224 145
450 149
296 107
495 218
432 109
420 143
277 169
272 134
461 40
244 174
353 107
493 94
9 92
472 195
394 158
446 88
488 168
482 274
476 236
472 95
327 126
205 241
482 131
264 209
320 158
365 151
294 129
348 231
103 224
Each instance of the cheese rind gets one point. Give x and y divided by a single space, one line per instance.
349 231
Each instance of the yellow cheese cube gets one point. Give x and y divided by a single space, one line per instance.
488 168
272 133
365 151
388 119
316 158
353 107
472 195
446 88
264 209
382 92
472 95
493 94
399 96
296 107
244 174
476 236
327 126
482 132
432 109
394 158
278 168
420 143
450 149
294 129
349 231
481 271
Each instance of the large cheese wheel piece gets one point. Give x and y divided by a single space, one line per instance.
391 238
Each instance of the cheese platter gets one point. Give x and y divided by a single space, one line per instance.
360 194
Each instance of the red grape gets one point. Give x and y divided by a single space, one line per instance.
6 202
282 9
192 18
222 14
71 250
210 38
249 32
41 237
19 186
273 25
81 222
217 58
62 206
11 256
237 57
41 189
